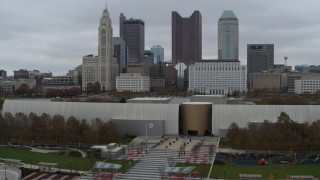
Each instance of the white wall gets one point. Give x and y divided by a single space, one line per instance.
224 115
105 111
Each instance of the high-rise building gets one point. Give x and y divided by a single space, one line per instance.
158 54
186 38
132 32
260 57
228 36
3 74
21 74
120 52
98 69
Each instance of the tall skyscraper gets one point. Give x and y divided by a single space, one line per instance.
120 51
98 69
158 54
228 36
132 32
186 38
105 50
260 57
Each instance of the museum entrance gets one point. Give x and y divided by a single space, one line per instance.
195 119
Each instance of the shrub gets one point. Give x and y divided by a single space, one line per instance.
74 154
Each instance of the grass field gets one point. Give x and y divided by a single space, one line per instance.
281 172
233 171
77 163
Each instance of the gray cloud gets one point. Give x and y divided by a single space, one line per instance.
55 35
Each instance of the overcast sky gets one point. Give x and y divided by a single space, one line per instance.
54 35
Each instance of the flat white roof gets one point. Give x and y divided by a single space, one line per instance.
150 99
197 103
216 95
99 147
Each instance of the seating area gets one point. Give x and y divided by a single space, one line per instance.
52 176
154 160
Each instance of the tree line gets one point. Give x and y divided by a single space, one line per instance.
57 129
283 135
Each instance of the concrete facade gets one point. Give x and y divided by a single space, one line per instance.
217 77
134 82
265 80
169 113
222 115
311 86
140 127
99 68
300 76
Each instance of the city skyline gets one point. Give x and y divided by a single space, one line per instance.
31 40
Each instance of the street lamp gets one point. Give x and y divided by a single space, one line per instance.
31 162
70 165
5 172
146 137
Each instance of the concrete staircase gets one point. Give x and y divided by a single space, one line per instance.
151 165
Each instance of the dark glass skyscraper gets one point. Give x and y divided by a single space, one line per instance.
260 57
132 32
186 38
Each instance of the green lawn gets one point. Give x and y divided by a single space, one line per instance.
233 171
202 169
77 163
281 172
223 143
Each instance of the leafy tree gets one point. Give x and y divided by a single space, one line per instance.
233 135
72 129
74 91
284 118
22 89
90 87
57 128
39 126
236 93
123 100
96 87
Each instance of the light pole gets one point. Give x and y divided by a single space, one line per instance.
70 165
5 172
146 136
31 162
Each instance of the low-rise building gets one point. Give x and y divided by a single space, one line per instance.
217 77
110 151
89 70
292 77
265 80
11 86
134 82
311 86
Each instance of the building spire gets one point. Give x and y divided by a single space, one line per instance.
106 4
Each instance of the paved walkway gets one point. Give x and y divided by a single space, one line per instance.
38 150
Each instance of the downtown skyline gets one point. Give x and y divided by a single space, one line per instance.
55 36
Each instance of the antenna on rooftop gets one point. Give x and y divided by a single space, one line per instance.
285 60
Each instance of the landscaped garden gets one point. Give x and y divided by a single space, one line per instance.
232 171
63 160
